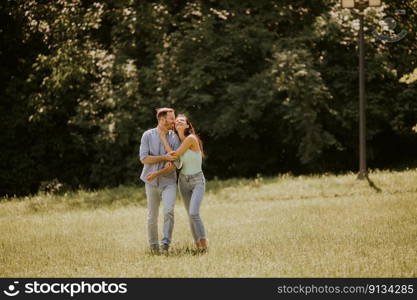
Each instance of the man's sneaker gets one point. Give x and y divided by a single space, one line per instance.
164 247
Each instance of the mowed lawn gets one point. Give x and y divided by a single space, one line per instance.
308 226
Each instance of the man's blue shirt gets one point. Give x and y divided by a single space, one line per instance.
151 145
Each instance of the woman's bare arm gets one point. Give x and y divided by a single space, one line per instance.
165 143
185 145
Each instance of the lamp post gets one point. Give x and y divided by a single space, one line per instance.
361 5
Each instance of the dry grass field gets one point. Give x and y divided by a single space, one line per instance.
285 226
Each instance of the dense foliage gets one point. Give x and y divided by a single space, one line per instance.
270 85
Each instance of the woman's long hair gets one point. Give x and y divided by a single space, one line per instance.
191 130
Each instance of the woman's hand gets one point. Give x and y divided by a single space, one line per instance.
151 176
173 154
168 164
169 157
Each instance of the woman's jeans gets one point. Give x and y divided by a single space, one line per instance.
192 188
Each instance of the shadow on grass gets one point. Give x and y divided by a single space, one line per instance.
180 251
372 185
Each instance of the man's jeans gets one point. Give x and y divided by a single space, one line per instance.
192 188
154 196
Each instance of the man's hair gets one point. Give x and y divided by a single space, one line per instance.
162 112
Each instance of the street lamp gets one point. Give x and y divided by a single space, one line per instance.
361 5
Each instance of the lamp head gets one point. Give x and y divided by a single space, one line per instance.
361 4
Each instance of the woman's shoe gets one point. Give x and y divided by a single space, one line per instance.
202 245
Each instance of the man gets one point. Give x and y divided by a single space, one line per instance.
155 159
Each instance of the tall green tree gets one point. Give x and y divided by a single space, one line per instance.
270 85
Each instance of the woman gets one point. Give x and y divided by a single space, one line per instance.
191 180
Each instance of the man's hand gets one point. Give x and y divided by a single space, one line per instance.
151 176
168 164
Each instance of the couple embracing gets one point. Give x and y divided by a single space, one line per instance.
172 145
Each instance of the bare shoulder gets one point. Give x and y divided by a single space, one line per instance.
191 138
194 144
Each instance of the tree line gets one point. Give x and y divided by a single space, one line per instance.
271 86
